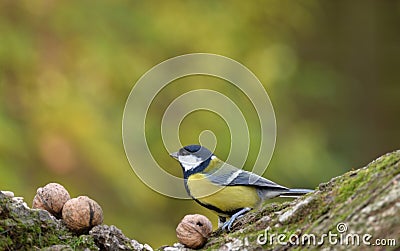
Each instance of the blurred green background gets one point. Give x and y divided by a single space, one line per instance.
331 69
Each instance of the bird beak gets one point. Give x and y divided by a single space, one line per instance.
174 155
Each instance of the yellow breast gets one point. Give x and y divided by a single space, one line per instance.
227 198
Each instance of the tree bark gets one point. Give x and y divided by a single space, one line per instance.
358 210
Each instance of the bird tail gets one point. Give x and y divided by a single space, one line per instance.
294 193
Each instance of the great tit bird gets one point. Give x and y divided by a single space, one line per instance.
223 188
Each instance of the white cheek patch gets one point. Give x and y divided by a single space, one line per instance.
189 162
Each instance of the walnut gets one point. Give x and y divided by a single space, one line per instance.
51 198
194 230
81 214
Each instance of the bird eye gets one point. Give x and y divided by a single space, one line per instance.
183 152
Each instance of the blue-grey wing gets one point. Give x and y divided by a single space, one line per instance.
228 175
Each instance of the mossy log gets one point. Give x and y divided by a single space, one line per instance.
358 210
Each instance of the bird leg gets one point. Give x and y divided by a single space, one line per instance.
228 225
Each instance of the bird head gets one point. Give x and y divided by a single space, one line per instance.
192 156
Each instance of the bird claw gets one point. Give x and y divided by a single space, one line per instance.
227 226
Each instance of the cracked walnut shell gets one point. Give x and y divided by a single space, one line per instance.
194 230
51 198
81 214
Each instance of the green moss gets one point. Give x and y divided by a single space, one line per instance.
81 242
24 229
349 185
385 161
369 178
